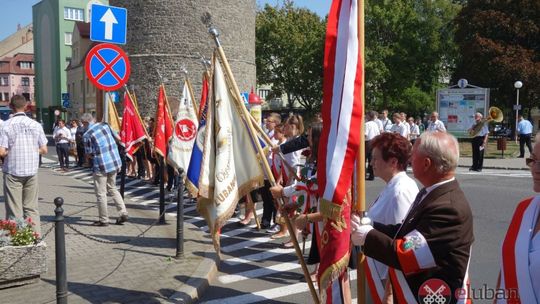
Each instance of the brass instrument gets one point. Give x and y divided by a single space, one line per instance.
494 114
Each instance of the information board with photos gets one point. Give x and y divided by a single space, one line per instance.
456 108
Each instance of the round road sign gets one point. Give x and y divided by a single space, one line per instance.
107 66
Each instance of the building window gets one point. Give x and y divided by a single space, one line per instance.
6 96
26 96
26 64
67 38
75 14
25 81
4 81
263 93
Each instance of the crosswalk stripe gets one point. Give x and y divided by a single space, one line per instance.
259 272
265 255
246 244
259 296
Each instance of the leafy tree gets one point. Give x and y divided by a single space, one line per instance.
290 50
409 51
499 43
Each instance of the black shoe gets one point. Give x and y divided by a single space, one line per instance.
370 178
471 169
122 219
521 156
100 224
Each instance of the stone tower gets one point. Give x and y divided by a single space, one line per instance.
167 35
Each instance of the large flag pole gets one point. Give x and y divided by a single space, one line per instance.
361 160
214 32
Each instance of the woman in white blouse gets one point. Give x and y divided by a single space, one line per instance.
390 156
520 264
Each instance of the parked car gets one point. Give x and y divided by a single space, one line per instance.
501 130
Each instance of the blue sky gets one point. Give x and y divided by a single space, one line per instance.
20 11
14 12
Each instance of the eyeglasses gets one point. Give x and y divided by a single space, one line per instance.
531 162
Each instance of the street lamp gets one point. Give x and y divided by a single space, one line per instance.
518 84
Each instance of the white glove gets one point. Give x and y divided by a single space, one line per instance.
359 231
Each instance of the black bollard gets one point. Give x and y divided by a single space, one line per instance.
123 170
162 191
180 216
60 244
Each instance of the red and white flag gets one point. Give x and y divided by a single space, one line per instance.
133 132
164 124
340 140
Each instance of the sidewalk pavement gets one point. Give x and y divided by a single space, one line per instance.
142 270
506 163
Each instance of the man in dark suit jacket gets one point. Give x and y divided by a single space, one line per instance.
434 240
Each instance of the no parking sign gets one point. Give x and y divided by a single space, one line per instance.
107 66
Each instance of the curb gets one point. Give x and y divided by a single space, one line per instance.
200 279
498 168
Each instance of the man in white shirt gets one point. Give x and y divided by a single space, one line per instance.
62 136
435 125
479 142
371 130
398 126
386 122
415 130
407 127
21 141
379 122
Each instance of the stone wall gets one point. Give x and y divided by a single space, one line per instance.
167 35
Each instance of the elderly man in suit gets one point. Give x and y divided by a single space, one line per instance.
428 254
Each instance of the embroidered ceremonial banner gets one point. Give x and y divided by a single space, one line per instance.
164 127
185 131
237 169
112 113
340 139
194 169
133 132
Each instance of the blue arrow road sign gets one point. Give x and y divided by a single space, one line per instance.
66 104
108 24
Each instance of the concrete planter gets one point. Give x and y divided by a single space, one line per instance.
20 265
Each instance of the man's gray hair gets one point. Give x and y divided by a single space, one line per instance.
87 117
442 148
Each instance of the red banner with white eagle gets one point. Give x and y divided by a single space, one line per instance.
342 113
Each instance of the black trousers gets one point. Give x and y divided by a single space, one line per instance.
369 170
524 139
269 208
80 154
477 154
63 154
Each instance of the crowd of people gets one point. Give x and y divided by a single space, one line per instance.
409 235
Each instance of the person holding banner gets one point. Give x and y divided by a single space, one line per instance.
520 265
431 248
294 126
305 191
390 156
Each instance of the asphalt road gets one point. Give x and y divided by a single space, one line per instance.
255 269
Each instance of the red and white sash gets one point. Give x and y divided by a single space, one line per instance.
415 256
374 281
515 277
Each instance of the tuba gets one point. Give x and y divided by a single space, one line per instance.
494 114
